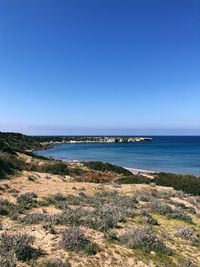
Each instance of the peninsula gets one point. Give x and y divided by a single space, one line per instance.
49 141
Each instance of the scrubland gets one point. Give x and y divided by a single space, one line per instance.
54 213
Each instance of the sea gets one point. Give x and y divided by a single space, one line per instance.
177 154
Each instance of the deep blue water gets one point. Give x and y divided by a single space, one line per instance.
180 154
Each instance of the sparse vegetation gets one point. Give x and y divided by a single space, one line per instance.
27 200
53 263
72 216
8 208
72 221
35 218
164 209
74 239
17 245
105 217
146 217
145 239
188 233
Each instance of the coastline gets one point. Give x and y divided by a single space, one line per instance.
47 143
136 171
50 197
179 158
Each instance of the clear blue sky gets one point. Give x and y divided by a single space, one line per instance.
100 66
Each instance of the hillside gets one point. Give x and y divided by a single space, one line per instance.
10 142
94 214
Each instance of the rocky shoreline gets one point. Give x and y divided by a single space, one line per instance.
89 139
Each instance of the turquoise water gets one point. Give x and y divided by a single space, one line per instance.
180 154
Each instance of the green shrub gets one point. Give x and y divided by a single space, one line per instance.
134 179
55 167
9 165
186 183
58 168
101 166
17 142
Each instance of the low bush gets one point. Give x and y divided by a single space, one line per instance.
180 215
103 166
166 210
187 183
95 177
76 171
188 263
62 202
7 259
59 197
146 217
134 179
59 200
72 216
54 167
191 210
35 218
187 233
48 221
160 207
6 207
145 239
19 245
50 224
27 200
36 156
74 239
106 217
144 197
9 165
113 196
53 263
59 168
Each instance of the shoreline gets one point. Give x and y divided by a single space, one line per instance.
46 144
136 171
133 170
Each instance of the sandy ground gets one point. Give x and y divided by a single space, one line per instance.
44 185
